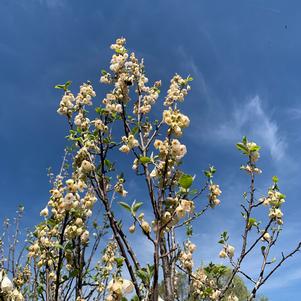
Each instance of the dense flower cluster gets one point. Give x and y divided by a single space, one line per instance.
170 153
128 71
85 95
203 286
274 199
118 287
69 103
129 143
66 104
98 123
177 91
215 192
186 256
7 290
176 121
184 206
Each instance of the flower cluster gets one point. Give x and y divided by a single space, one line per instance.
274 199
118 287
85 95
99 125
129 143
186 256
227 251
176 121
144 224
120 56
174 149
81 121
249 148
111 103
150 97
70 208
170 152
254 151
7 290
185 206
119 188
108 257
203 286
251 169
69 103
215 192
22 276
177 91
128 71
66 104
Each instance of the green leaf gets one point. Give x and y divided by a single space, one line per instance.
120 51
193 192
135 130
275 179
150 269
59 246
59 86
212 169
63 86
244 140
119 261
142 275
136 206
109 164
125 206
225 236
208 174
145 160
255 148
189 230
252 222
104 72
185 181
242 148
98 110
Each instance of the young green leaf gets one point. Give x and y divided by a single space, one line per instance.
125 206
136 206
185 181
145 160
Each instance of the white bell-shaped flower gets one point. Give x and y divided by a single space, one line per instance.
6 285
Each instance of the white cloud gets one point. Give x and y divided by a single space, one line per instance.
294 113
251 120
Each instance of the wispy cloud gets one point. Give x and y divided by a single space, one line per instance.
250 119
294 113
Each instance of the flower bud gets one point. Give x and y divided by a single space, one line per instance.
132 228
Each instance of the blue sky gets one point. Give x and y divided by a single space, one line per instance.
244 57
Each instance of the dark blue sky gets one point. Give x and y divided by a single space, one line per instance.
245 59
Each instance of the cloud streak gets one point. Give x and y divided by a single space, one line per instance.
250 119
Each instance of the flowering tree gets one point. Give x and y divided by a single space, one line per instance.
66 262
